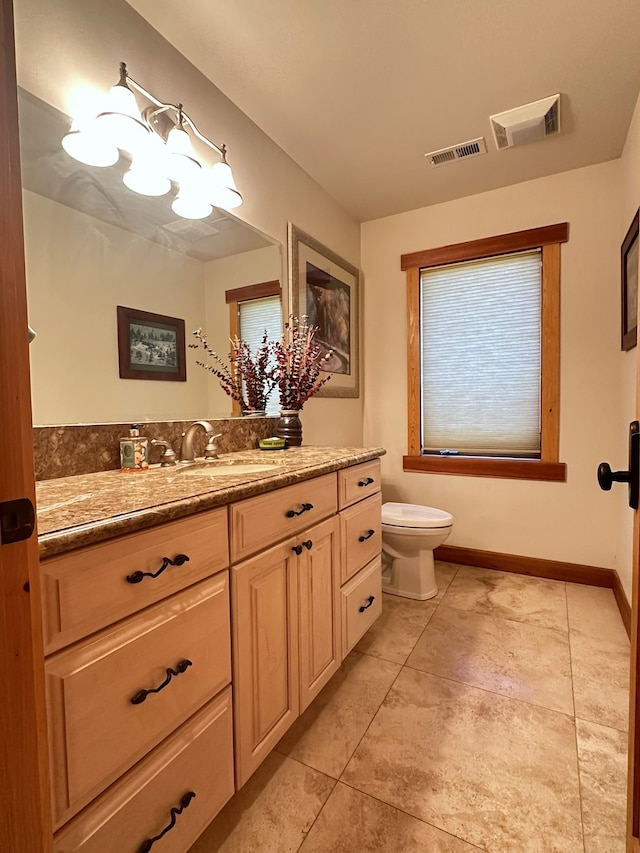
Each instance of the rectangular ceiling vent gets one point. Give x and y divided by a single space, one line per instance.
191 229
526 124
457 152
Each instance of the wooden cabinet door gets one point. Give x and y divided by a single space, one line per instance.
319 622
264 596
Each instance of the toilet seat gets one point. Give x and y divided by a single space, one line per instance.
415 516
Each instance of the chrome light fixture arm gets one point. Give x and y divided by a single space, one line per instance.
181 115
120 125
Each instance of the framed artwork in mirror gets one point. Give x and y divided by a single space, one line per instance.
325 288
150 346
629 262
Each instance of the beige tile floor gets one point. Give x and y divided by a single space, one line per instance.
491 718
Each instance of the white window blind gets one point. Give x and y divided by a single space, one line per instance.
256 315
480 356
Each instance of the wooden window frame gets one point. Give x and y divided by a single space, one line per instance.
548 239
248 293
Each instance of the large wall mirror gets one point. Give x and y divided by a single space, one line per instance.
91 245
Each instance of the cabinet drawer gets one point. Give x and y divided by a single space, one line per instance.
259 522
358 482
96 730
361 604
88 589
198 758
360 535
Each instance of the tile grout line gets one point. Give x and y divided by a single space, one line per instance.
401 665
350 756
575 721
436 605
322 807
370 721
503 618
364 734
491 692
414 817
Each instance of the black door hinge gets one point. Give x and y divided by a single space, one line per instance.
17 520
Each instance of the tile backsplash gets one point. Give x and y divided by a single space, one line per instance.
62 451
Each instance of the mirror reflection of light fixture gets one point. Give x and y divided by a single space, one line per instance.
191 203
160 149
85 145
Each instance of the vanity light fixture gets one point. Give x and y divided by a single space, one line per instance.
159 143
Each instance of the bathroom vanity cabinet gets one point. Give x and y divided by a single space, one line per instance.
359 503
100 725
178 656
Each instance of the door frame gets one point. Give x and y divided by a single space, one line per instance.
25 812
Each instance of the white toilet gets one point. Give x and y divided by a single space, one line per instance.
409 535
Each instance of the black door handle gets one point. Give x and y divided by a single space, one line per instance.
607 477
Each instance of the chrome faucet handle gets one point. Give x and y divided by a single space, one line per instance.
168 456
211 450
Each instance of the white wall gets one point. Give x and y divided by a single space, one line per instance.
572 521
70 45
630 201
74 288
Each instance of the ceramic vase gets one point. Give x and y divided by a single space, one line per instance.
289 427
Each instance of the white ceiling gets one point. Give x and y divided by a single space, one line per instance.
357 91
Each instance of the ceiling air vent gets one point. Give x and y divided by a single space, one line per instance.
457 152
527 124
191 229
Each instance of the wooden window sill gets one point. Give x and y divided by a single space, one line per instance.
476 466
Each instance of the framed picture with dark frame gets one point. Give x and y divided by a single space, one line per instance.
150 346
325 288
629 273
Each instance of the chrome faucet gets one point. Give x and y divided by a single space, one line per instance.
186 447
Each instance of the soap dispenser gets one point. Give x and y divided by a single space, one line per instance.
134 451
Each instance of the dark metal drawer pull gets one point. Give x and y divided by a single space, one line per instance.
366 482
308 544
305 508
148 843
141 695
297 549
370 601
368 535
178 560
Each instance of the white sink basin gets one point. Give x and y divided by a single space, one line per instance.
230 469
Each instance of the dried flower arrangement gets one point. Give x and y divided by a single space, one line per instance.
299 362
247 373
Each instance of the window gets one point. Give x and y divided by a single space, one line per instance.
252 310
483 350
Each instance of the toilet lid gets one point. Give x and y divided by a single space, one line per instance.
414 515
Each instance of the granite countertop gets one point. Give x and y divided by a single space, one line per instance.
89 508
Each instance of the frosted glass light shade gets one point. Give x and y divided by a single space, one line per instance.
181 163
120 120
146 181
222 187
89 148
190 204
147 174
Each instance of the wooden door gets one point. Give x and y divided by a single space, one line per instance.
633 790
264 596
319 608
25 820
